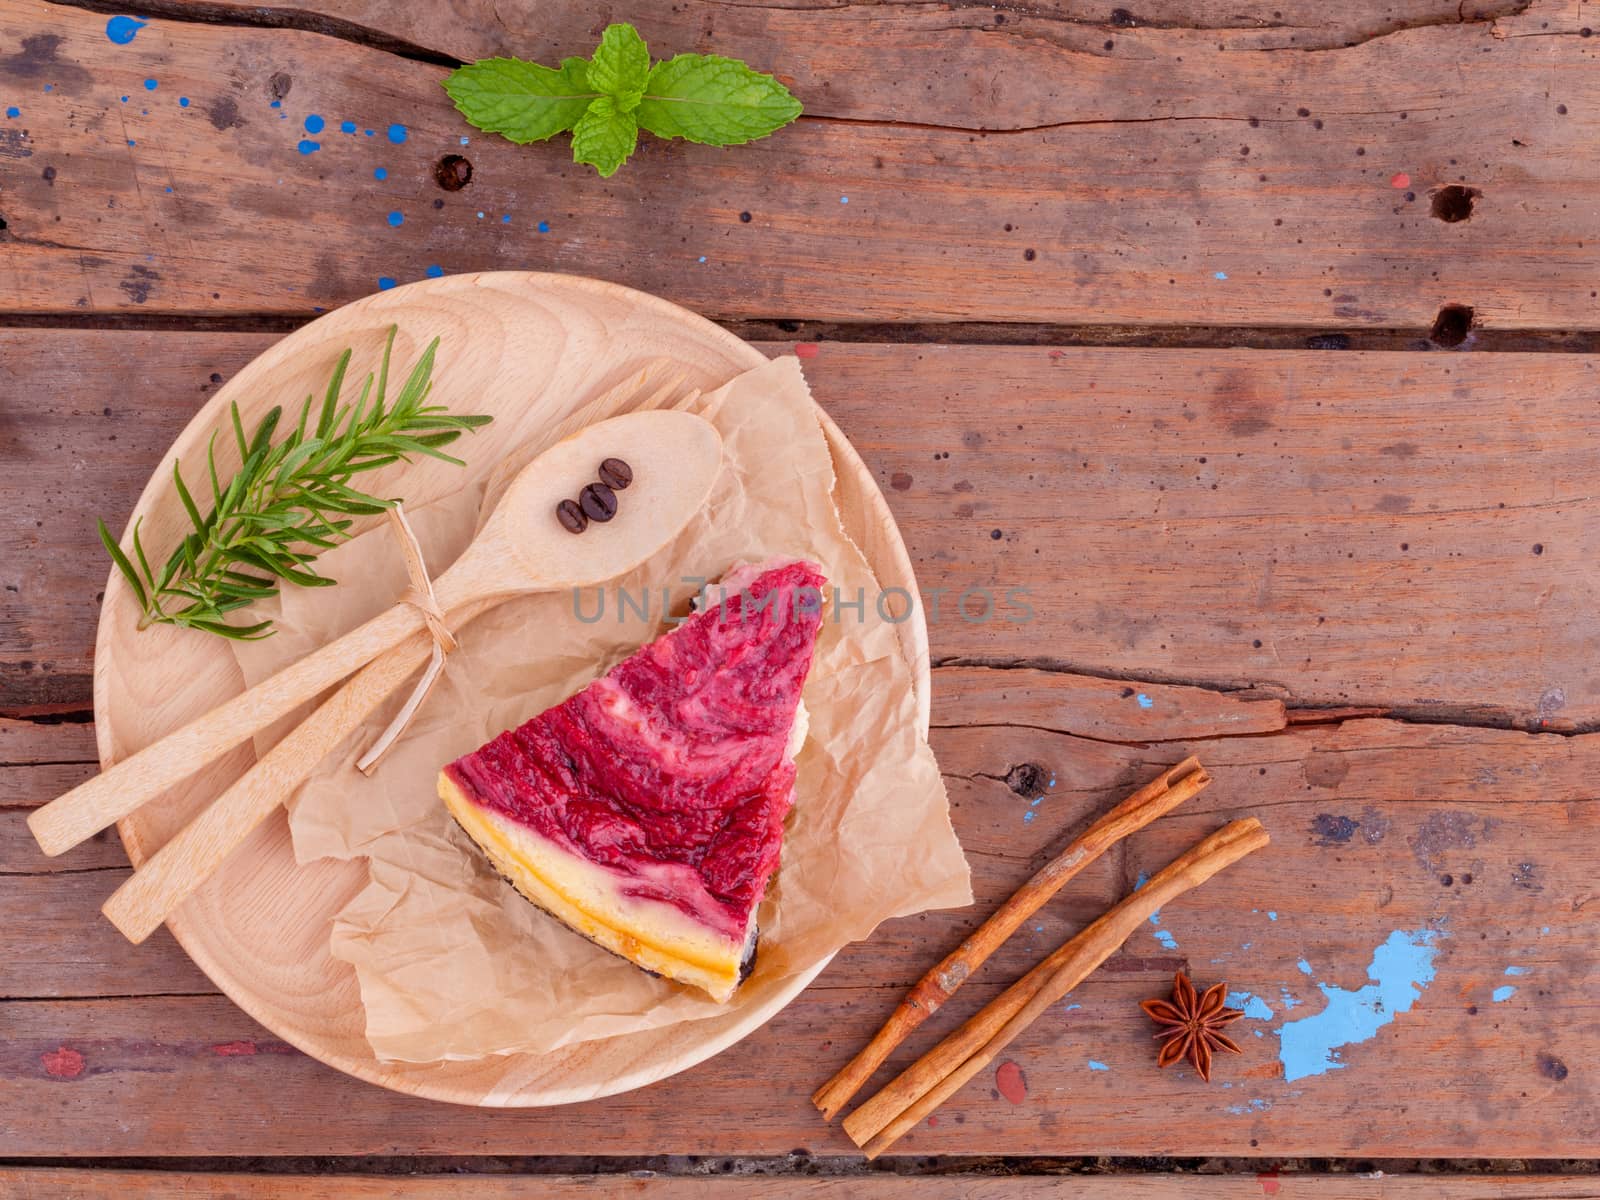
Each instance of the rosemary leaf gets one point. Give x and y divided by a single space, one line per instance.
289 500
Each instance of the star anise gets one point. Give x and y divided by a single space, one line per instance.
1191 1024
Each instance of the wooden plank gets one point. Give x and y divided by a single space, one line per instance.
20 855
28 743
1415 533
823 41
1104 709
26 1183
1084 176
1392 842
58 945
47 904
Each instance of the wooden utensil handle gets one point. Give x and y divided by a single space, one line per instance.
146 899
113 794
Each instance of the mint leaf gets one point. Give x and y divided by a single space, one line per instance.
620 66
521 100
714 100
604 136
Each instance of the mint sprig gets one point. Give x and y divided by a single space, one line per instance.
605 100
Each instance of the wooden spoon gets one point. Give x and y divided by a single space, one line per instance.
522 548
190 857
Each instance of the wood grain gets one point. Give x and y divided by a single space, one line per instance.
1084 175
24 1183
1166 511
821 40
1368 819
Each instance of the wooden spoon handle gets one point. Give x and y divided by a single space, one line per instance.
113 794
145 900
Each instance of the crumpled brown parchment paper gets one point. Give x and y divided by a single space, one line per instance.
452 962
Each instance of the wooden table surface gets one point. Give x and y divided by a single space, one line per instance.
1256 339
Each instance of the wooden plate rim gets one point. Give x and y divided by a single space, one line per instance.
913 634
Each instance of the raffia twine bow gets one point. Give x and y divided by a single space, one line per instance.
421 596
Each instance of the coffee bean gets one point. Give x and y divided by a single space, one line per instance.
616 474
599 502
572 517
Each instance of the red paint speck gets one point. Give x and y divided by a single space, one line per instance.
234 1049
1058 354
1400 180
62 1063
1013 1084
1269 1183
805 349
933 1122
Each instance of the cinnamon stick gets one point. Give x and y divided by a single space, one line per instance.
942 1072
1161 795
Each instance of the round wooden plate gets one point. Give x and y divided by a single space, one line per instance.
519 346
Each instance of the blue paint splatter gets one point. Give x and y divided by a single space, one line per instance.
1252 1006
124 99
1073 1007
123 30
1030 814
506 219
49 87
1544 930
844 199
151 85
131 142
309 147
1220 275
1501 994
465 140
347 126
1166 939
1097 1066
13 111
369 132
183 102
1256 1105
1305 967
380 173
1271 915
1516 970
434 272
397 134
480 216
384 283
1145 701
276 104
1155 917
397 218
315 123
544 226
1400 969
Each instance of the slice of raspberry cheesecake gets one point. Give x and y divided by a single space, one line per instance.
647 811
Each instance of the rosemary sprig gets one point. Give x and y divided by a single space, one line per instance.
289 501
